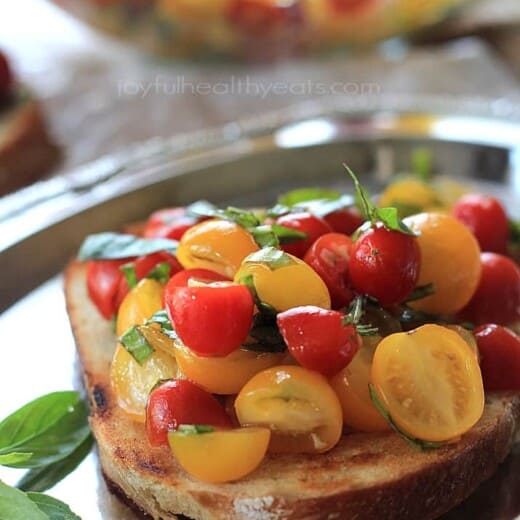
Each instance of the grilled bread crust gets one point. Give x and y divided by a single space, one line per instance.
366 476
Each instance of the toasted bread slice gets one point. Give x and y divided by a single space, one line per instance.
27 152
366 476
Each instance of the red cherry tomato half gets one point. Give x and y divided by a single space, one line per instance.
169 223
497 298
212 320
487 220
344 221
177 402
317 338
307 223
103 279
385 264
143 266
261 17
6 78
329 257
500 357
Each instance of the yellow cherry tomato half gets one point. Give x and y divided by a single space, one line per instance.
450 259
220 456
292 284
140 304
429 381
217 245
351 386
223 375
298 405
132 382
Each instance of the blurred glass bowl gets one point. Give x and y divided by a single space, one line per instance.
257 29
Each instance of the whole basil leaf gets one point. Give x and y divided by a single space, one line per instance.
15 504
48 428
111 246
45 477
54 509
14 458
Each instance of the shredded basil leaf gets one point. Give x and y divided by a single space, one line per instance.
265 236
136 344
263 307
264 335
421 292
387 216
195 429
514 227
161 318
271 257
416 443
246 219
130 274
111 246
355 314
161 272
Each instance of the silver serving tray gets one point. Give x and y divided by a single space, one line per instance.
241 164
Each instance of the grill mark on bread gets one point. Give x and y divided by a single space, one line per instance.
99 399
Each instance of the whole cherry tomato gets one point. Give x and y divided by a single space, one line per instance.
307 223
497 298
329 257
487 220
169 223
500 357
212 320
6 78
385 264
318 339
103 279
177 402
262 17
344 221
143 266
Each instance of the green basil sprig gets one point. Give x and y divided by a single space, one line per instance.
44 431
112 246
416 443
389 217
15 504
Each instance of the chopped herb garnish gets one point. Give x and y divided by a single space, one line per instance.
514 227
136 344
271 257
195 429
264 335
111 246
161 272
421 292
387 216
416 443
354 316
263 307
162 319
130 274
